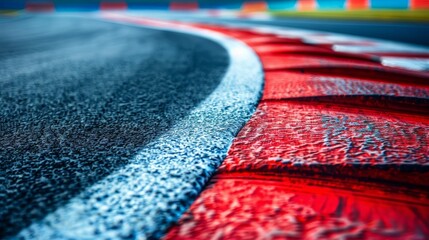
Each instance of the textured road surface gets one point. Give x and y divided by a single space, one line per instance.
337 148
111 131
80 97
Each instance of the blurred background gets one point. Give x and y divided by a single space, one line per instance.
409 9
403 21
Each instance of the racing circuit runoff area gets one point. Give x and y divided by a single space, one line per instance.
214 119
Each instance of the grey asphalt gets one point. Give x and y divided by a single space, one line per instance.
79 98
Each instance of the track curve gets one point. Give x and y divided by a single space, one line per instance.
336 149
185 98
84 99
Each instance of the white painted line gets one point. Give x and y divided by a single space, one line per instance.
145 197
417 64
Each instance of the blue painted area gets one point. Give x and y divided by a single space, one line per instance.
148 4
232 6
219 4
205 5
331 4
282 5
389 4
77 7
12 4
39 1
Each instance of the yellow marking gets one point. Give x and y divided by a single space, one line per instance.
9 13
382 15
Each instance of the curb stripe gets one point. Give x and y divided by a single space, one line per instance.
357 4
329 154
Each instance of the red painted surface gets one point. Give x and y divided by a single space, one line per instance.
419 4
306 5
39 6
257 6
357 4
342 137
282 85
262 40
300 62
337 67
337 149
306 50
113 6
252 207
183 6
401 54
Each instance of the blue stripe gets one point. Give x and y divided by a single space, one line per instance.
12 4
331 4
282 5
389 4
39 1
77 7
205 5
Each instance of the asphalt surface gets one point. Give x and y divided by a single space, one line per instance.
111 131
79 98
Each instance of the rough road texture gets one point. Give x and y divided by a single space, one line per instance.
79 98
271 207
338 147
111 131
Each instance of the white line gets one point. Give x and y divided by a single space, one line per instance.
145 197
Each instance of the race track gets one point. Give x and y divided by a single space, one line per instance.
131 126
81 97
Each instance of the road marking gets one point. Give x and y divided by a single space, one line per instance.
145 197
